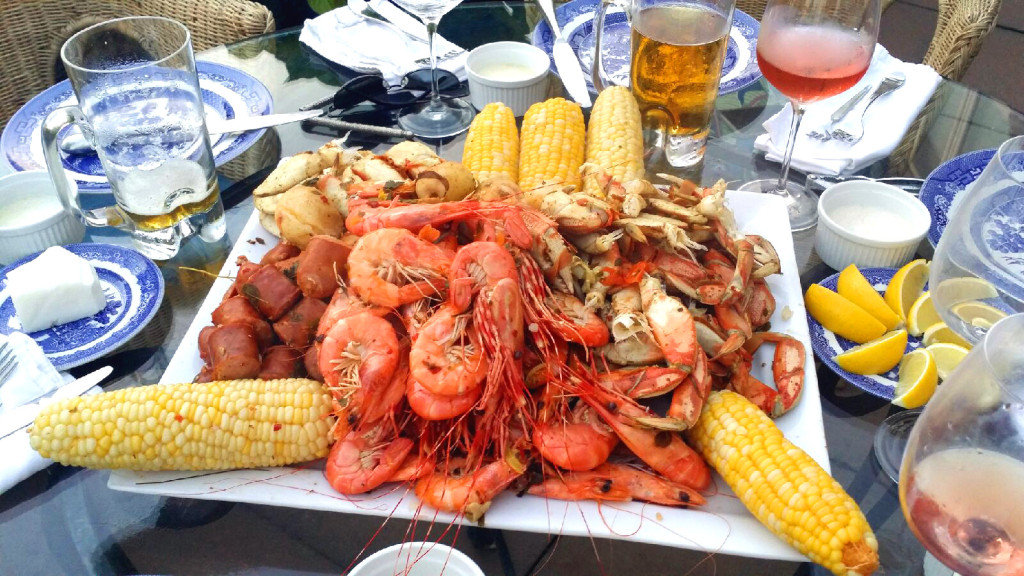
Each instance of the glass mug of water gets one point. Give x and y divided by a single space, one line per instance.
677 49
140 107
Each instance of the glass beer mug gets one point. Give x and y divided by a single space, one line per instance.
140 107
677 48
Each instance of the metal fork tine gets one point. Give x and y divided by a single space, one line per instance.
8 361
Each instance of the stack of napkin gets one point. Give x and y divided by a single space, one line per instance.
884 126
34 377
368 45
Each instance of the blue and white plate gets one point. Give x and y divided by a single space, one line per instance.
576 19
942 186
826 344
227 93
134 289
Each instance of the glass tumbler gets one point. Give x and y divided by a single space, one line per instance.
140 107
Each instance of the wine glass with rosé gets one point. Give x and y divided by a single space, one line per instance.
962 479
810 50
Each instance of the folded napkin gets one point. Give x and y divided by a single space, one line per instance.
33 377
369 45
884 125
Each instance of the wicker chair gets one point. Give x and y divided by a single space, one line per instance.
35 30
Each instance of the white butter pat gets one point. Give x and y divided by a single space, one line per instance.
55 288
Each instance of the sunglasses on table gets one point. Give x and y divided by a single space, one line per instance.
415 87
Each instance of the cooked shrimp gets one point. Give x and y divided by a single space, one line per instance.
391 267
358 356
342 305
461 491
617 482
363 461
476 266
447 359
432 407
580 443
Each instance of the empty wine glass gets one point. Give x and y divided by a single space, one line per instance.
810 50
440 117
962 479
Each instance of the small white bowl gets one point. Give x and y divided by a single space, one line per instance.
869 224
422 559
31 216
513 73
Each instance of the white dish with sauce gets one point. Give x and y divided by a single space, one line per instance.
513 73
32 217
869 224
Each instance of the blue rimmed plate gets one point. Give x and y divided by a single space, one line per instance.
942 186
227 93
133 287
576 19
826 344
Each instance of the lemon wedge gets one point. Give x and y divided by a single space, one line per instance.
977 313
941 333
841 316
947 357
853 286
875 357
906 285
918 379
963 289
922 315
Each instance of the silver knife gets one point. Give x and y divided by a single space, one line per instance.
566 62
393 15
22 416
75 143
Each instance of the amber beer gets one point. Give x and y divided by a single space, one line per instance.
677 53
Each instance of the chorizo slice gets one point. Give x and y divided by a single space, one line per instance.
289 266
312 361
238 310
298 326
204 344
321 264
245 271
282 251
282 362
271 292
234 352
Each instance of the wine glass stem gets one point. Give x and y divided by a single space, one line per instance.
794 127
435 94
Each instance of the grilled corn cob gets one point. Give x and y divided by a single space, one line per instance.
551 146
492 145
211 426
783 487
615 141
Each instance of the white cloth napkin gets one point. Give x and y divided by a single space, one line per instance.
366 45
884 125
35 375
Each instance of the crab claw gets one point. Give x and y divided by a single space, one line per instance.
787 367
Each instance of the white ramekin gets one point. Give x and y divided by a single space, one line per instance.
519 93
52 226
422 559
838 246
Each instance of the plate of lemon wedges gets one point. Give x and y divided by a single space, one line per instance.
878 329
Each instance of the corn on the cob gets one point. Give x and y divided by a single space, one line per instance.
210 426
783 487
615 140
551 148
492 145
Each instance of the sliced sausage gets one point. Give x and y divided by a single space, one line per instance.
282 362
312 362
288 267
238 310
245 271
322 263
234 352
204 343
205 375
271 292
298 326
282 251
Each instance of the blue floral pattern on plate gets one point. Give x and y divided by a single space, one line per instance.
576 19
227 93
826 344
946 182
133 287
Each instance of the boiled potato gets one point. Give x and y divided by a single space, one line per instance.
303 212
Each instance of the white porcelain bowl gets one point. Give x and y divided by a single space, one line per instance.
513 73
421 558
31 216
869 224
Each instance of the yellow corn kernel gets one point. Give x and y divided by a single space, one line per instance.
551 146
492 144
783 487
172 426
615 141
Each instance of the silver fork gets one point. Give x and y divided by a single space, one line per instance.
8 362
889 83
